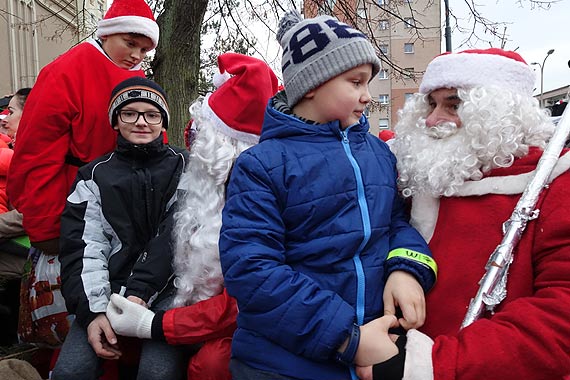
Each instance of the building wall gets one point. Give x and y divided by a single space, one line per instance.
35 32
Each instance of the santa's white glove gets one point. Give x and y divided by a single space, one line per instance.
128 318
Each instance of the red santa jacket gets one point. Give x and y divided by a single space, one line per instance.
66 116
528 337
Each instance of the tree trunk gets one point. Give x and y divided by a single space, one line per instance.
176 64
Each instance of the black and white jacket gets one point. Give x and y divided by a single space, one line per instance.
116 226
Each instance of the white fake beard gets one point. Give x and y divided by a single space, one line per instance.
434 160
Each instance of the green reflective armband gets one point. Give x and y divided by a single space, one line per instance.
414 256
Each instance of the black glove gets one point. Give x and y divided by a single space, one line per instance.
393 368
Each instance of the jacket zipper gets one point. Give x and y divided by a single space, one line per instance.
365 216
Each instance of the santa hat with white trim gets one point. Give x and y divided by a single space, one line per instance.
245 85
479 68
129 16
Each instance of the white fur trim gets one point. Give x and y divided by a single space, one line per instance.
513 184
468 70
425 210
418 364
222 127
129 24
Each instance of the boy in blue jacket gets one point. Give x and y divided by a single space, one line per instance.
315 243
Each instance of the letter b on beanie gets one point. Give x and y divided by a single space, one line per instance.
317 50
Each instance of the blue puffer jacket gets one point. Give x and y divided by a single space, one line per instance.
310 217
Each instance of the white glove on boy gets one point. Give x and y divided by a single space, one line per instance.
128 318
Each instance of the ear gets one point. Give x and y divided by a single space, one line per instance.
163 129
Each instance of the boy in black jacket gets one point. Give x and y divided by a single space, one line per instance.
115 235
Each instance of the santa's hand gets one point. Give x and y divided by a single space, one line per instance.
128 318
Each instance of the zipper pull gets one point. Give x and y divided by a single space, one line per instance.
344 135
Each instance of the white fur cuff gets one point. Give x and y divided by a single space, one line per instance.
418 365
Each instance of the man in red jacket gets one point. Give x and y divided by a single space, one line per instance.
467 146
225 123
65 123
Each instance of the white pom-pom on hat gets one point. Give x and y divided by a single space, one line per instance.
220 78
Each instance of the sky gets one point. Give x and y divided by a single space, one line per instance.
531 32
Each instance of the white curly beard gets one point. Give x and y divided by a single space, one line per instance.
434 160
198 221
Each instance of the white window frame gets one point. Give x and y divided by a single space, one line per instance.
384 124
383 74
409 44
384 48
384 99
383 25
409 22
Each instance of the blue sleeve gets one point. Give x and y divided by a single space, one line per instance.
277 302
409 251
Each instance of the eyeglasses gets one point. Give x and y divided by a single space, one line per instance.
131 117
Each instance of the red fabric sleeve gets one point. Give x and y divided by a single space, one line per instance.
210 319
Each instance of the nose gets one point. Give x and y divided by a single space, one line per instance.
140 119
434 118
365 97
137 54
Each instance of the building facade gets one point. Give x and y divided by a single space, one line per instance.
35 32
406 35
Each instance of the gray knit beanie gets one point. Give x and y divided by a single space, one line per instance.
318 49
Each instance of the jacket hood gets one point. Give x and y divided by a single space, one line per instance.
277 124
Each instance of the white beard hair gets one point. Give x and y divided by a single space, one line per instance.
497 126
198 221
427 165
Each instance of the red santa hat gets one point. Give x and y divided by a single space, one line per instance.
479 68
129 16
245 85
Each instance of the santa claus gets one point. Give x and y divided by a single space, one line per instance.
467 146
225 123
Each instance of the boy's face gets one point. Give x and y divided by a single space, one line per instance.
342 98
137 127
126 49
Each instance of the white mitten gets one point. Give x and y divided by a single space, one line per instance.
128 318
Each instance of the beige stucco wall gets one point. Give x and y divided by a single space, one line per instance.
33 33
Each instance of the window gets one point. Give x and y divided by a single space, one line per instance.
384 99
383 74
326 7
408 48
409 73
382 2
383 25
361 12
409 22
384 48
384 124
